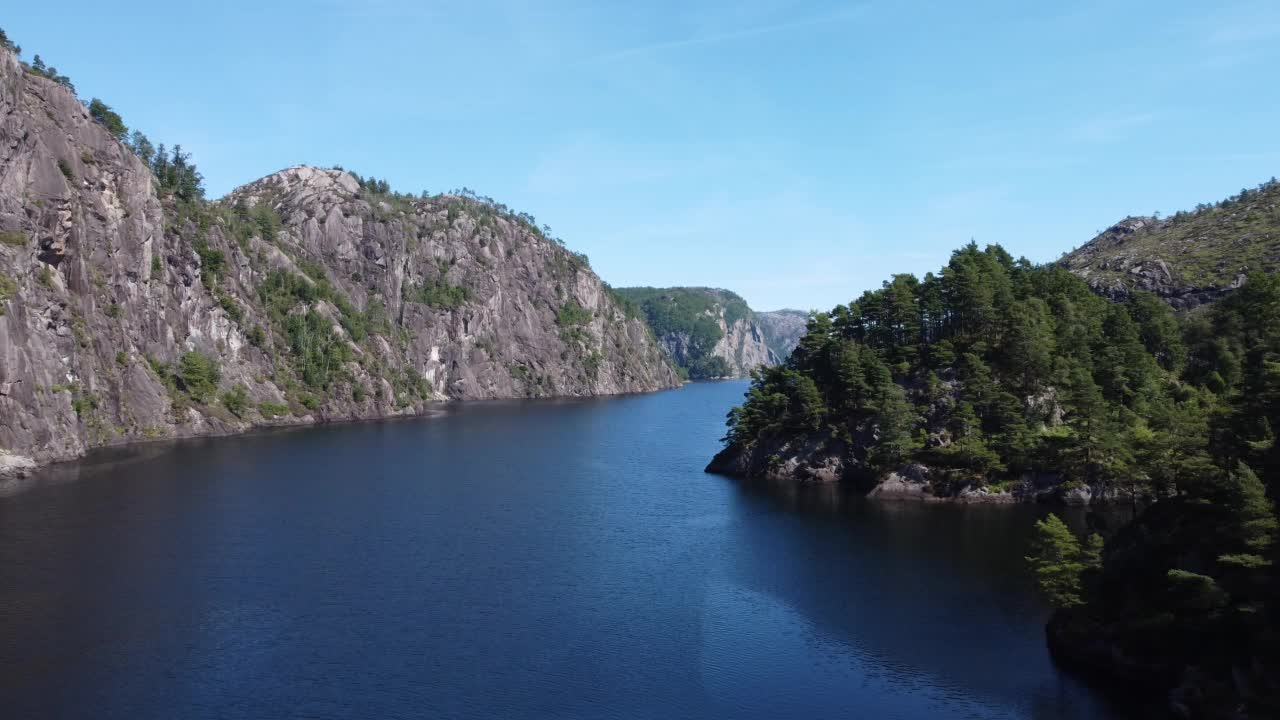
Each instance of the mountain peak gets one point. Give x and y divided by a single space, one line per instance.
298 182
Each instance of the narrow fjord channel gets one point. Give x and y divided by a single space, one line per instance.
541 559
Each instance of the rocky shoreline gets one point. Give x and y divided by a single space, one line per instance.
825 459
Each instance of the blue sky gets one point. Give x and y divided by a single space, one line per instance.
797 153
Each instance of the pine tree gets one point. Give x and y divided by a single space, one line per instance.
1058 561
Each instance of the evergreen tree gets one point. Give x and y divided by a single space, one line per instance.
109 119
1059 561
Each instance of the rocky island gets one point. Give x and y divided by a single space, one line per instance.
997 380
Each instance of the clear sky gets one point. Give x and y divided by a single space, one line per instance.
797 153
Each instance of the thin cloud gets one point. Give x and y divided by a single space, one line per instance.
842 15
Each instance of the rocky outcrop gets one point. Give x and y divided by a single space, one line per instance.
307 297
783 329
1190 258
743 347
823 459
805 459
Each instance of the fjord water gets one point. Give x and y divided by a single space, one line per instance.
540 559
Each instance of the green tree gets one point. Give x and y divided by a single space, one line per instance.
236 400
1161 333
199 375
1058 561
1028 343
1252 520
108 118
142 147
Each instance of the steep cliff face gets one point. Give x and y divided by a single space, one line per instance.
743 346
783 329
708 332
1190 258
302 297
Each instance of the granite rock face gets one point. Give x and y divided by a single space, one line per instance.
708 332
783 329
105 285
743 347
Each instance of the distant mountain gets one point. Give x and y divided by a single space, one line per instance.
708 332
783 329
1190 258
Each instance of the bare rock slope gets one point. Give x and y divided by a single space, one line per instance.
1189 258
783 329
302 297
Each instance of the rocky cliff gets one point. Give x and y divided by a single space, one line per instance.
782 329
129 314
1189 258
707 332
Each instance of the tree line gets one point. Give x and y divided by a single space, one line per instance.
993 368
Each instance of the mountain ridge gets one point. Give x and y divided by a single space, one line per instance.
1189 258
132 309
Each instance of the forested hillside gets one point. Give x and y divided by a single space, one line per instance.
708 332
996 378
1185 601
993 374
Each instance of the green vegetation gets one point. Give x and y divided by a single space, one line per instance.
1059 560
174 171
1204 248
572 314
257 336
7 289
629 308
108 118
176 174
236 400
231 308
272 410
83 403
317 353
707 366
439 294
995 367
13 238
688 317
212 262
985 371
66 170
194 380
37 67
198 375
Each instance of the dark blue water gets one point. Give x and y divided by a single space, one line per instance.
542 560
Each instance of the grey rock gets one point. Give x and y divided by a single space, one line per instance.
110 280
783 329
